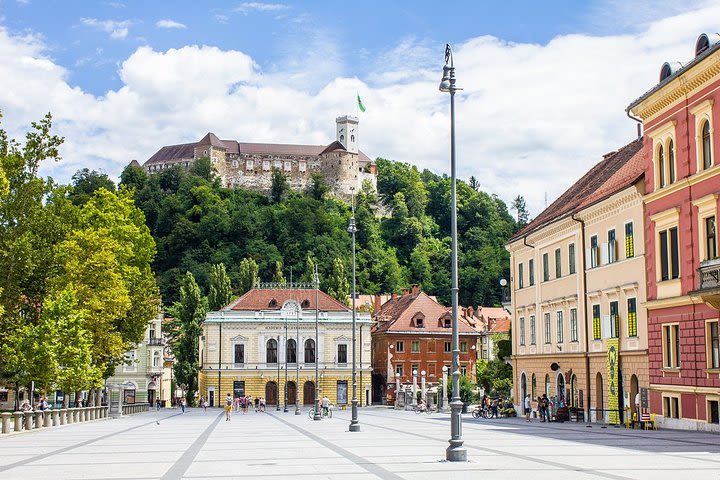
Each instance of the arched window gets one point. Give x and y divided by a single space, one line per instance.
271 351
309 351
291 354
534 387
156 359
547 384
305 303
706 153
661 166
671 161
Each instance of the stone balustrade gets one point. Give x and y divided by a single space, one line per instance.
132 408
25 421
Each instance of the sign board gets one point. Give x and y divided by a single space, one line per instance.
644 398
613 365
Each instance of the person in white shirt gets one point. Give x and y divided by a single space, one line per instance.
528 408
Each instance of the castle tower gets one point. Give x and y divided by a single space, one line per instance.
348 132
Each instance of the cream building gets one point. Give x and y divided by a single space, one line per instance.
582 258
266 336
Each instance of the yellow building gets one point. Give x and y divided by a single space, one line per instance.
265 341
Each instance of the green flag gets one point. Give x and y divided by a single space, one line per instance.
360 104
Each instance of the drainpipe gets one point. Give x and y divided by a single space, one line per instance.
639 124
585 315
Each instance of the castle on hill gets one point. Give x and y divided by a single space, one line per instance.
250 165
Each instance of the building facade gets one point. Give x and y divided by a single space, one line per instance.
145 371
576 293
412 333
682 184
250 165
263 345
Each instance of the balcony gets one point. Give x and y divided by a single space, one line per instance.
709 289
156 342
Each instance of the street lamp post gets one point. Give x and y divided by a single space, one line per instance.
297 359
354 424
277 387
317 348
397 390
423 396
285 409
414 387
456 452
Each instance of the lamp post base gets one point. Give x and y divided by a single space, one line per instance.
354 427
354 424
297 411
456 453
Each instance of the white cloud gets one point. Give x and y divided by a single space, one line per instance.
530 120
247 7
169 24
116 29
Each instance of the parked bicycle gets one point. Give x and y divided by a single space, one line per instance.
421 409
480 412
324 413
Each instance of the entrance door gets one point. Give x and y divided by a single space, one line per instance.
523 387
271 393
561 388
633 392
292 393
211 397
599 403
151 397
309 393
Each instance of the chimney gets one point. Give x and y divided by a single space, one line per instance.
393 296
404 292
378 303
415 289
470 312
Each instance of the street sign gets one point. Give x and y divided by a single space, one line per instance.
644 398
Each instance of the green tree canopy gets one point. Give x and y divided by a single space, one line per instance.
220 290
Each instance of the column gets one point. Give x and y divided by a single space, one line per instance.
17 419
6 421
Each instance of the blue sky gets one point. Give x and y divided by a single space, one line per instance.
546 83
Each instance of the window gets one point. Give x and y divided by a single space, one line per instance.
448 347
532 329
612 247
546 267
309 351
534 387
713 345
713 416
710 238
671 407
266 165
463 347
463 370
522 330
400 346
431 369
342 353
593 251
520 275
239 353
249 165
399 369
629 241
614 320
547 328
671 161
571 258
531 272
271 351
558 265
234 163
130 364
291 354
706 152
560 325
419 322
302 166
415 346
431 346
156 359
287 166
597 330
573 325
632 317
661 166
669 253
671 346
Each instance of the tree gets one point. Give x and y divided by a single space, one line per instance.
338 286
248 275
279 186
220 290
188 313
86 182
518 204
203 168
308 275
133 177
474 184
278 276
318 187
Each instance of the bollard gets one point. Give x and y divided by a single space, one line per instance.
6 421
18 418
63 414
29 420
47 419
55 418
38 419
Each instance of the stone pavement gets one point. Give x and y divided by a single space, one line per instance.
391 445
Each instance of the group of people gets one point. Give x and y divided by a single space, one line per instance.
241 403
491 406
546 407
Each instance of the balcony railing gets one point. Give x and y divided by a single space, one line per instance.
156 342
709 274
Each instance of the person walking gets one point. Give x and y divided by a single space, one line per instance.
325 405
204 404
495 408
546 407
528 408
183 403
228 407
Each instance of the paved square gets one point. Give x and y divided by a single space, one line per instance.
391 445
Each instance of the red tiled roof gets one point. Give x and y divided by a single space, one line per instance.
612 174
501 325
212 140
261 299
183 151
397 313
232 146
333 147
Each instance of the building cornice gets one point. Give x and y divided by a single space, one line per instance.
626 199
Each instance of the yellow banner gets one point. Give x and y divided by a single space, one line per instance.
613 364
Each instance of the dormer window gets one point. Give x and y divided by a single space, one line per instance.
418 320
305 303
273 303
446 321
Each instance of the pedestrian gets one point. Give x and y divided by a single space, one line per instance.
325 405
495 408
157 405
528 408
546 407
637 405
228 407
262 404
237 404
257 403
205 405
183 403
540 410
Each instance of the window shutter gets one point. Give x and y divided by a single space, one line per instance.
607 320
604 253
588 257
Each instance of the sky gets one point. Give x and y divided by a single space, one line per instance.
545 84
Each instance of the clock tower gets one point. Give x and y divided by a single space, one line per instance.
348 133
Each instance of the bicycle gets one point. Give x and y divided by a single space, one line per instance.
324 413
480 412
421 409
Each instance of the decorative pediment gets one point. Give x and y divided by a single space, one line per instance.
342 338
239 338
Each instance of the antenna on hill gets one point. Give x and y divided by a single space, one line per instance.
545 199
